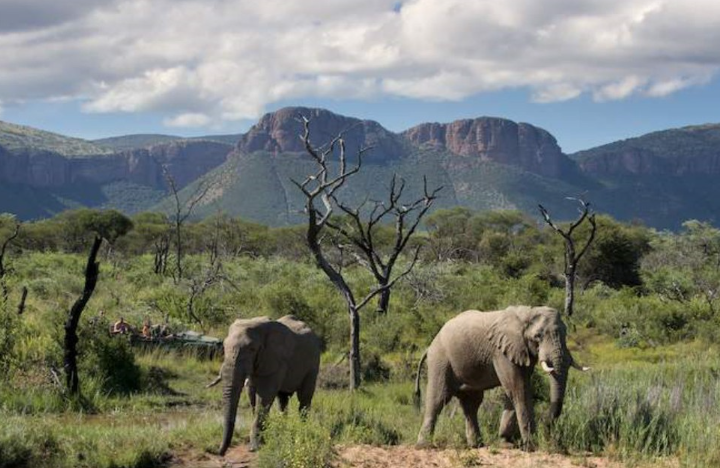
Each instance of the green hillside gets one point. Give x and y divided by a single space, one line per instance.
16 138
258 186
131 142
686 142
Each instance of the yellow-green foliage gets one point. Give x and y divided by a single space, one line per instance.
291 442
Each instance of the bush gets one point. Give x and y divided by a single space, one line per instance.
10 332
292 441
110 359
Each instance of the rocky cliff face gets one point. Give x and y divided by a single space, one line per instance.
497 140
675 152
185 160
280 132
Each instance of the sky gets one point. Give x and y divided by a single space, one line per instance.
588 71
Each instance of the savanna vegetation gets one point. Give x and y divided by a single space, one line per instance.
645 318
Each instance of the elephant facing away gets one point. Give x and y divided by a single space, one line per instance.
476 351
280 357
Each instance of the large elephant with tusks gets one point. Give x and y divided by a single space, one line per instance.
476 351
280 357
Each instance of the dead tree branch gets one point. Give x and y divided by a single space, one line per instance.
572 257
182 211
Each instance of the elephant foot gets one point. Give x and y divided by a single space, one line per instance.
528 446
505 445
254 446
423 444
474 445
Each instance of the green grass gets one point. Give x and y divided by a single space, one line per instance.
635 411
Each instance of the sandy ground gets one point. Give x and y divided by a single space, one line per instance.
365 456
407 456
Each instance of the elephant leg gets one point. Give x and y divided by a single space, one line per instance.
283 399
305 393
508 421
516 382
438 395
252 395
266 401
470 403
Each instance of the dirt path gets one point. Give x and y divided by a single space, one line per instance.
365 456
407 456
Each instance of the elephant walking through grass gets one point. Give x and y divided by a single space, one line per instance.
476 351
279 357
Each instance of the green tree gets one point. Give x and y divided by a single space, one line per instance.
614 257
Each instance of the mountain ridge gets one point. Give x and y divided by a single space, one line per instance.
488 162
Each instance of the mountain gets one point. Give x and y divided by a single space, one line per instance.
499 164
42 173
131 142
662 178
137 141
675 152
19 138
498 140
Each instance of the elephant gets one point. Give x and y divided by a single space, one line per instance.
476 351
252 397
280 357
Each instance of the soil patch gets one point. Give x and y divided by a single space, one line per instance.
366 456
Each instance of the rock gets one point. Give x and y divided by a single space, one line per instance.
186 161
497 140
279 132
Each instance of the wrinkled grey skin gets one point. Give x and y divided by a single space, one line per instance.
476 351
252 397
280 357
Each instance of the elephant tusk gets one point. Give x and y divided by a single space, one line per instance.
579 367
546 368
214 382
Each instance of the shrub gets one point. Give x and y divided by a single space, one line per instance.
293 441
111 359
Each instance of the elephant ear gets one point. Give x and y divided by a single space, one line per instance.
507 334
277 347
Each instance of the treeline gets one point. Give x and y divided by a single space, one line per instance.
676 267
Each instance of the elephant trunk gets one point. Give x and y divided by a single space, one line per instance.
561 360
558 384
234 379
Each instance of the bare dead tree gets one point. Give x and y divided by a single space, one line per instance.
92 270
161 250
198 287
319 190
572 256
105 225
23 298
361 233
3 269
182 211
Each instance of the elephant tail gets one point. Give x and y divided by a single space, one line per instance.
416 396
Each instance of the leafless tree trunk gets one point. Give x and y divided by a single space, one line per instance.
182 211
3 270
23 298
92 270
361 233
162 250
571 256
319 190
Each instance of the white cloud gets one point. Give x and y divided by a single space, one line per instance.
229 59
619 90
187 120
556 93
